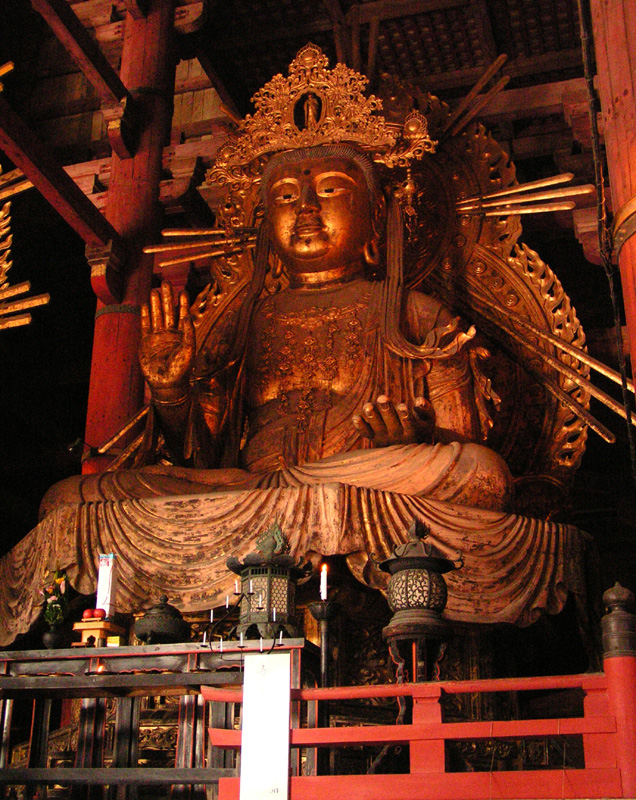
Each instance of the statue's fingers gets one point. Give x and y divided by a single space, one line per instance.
167 303
362 426
372 417
184 308
390 418
185 321
145 319
424 410
407 421
156 315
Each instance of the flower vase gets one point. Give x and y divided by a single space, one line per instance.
53 639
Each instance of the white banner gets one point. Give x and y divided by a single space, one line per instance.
107 583
265 739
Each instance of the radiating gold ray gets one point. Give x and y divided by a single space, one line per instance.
201 256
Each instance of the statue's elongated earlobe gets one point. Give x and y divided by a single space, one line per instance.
371 252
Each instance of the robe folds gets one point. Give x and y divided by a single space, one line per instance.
514 569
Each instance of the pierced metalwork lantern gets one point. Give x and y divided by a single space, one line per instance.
417 590
268 587
417 596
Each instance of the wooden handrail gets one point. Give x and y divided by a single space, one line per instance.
585 680
406 734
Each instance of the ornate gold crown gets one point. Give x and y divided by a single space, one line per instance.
317 106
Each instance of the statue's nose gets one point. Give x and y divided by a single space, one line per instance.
308 198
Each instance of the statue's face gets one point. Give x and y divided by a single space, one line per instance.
319 213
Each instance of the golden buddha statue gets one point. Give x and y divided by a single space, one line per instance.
339 404
320 387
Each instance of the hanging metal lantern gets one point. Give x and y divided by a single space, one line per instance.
417 590
268 587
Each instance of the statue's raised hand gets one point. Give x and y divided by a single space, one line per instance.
385 423
167 348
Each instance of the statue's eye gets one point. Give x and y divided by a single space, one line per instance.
285 193
332 185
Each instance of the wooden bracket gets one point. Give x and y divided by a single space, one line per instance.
122 124
137 8
106 263
624 225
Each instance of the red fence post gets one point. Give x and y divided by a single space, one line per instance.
619 662
427 755
599 748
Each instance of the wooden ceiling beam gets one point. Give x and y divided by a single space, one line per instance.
532 101
391 9
30 155
520 67
545 62
76 39
484 25
229 106
341 30
372 54
250 38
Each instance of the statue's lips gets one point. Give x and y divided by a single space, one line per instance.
308 227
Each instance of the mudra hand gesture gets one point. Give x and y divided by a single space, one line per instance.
385 423
167 348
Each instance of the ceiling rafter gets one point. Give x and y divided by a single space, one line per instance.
482 19
84 50
392 9
341 30
29 154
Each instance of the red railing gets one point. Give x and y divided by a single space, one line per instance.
607 727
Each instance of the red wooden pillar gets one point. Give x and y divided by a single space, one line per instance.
620 672
615 45
147 71
619 663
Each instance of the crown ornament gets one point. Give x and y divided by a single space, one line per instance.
316 106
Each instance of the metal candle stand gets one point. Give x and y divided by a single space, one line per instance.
323 611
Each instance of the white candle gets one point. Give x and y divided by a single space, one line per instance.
280 638
251 587
227 601
236 591
221 645
241 640
274 614
211 615
261 644
323 582
205 636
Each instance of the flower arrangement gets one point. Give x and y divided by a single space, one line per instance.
55 602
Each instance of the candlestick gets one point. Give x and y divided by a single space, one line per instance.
322 611
323 582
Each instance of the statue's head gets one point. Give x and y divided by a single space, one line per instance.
318 135
325 212
311 143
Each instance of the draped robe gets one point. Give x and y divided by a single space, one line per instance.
304 466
